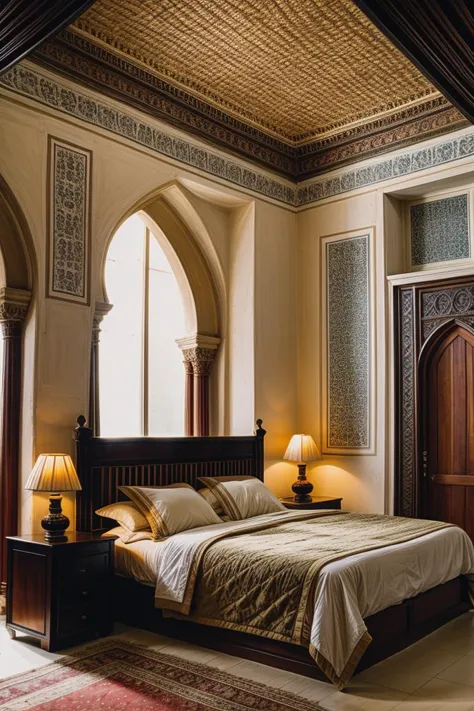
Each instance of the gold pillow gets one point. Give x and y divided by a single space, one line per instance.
126 514
171 509
212 500
127 536
242 496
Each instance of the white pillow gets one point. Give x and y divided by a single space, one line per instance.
171 509
242 496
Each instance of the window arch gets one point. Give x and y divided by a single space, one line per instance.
141 383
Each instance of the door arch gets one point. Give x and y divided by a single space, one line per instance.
446 416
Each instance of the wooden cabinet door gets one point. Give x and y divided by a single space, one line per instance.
447 414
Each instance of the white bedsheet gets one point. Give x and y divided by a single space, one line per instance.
348 590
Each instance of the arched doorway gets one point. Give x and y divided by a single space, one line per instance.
16 276
446 410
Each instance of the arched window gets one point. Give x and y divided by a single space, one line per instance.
141 370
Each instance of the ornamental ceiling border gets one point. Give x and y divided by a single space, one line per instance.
48 91
77 57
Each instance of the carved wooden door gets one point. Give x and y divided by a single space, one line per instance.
447 419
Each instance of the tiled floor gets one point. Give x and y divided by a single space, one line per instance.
436 674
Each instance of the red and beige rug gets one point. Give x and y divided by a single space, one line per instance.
121 676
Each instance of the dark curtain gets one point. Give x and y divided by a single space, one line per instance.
437 36
26 23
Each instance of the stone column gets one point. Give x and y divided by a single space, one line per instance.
13 310
199 352
101 310
188 398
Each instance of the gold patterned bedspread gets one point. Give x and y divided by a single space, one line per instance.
263 581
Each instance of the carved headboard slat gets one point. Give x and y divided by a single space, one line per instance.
104 464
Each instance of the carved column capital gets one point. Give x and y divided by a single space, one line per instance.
199 360
14 304
101 310
199 352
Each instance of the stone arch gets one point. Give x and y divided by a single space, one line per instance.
191 253
16 243
16 278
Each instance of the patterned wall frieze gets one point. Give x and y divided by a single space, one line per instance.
81 59
50 92
348 320
439 230
405 164
399 130
69 204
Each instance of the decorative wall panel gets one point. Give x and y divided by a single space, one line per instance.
439 230
348 312
69 221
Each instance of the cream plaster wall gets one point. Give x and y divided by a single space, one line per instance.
249 244
359 479
266 262
365 482
276 332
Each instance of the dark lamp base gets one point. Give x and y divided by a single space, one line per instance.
302 488
55 523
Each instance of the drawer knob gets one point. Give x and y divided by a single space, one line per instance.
83 570
84 618
85 593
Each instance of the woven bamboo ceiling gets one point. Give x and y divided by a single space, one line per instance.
299 69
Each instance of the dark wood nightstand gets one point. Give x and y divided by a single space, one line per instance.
317 502
60 592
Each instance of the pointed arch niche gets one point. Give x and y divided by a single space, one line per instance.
160 340
16 248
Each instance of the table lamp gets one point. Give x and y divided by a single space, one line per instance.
302 449
54 473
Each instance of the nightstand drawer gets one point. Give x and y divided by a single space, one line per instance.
83 567
76 619
81 592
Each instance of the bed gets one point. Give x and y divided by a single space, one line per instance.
418 598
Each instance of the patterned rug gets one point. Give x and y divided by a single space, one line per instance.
120 676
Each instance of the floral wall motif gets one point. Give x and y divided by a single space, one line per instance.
69 221
348 310
439 230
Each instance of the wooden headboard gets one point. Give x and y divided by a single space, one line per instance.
103 464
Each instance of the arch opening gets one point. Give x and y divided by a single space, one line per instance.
141 372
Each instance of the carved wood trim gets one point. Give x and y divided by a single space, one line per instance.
421 308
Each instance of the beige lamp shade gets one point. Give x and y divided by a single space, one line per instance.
53 472
302 449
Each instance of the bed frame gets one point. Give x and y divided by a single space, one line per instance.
104 464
